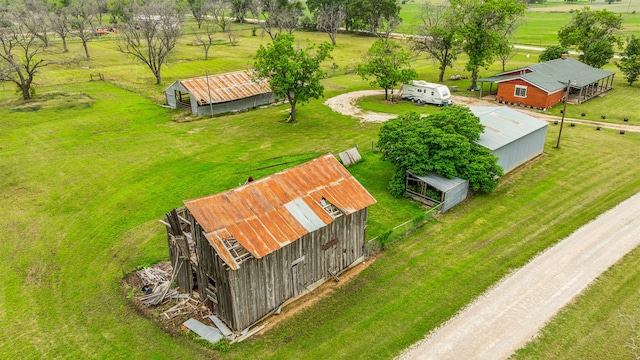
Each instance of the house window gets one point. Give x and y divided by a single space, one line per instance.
521 91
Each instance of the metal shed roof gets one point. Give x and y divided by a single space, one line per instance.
441 183
225 87
553 75
504 125
267 214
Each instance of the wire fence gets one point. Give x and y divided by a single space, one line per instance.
380 242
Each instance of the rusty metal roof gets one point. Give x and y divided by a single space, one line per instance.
267 214
225 87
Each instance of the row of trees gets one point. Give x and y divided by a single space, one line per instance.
480 28
148 33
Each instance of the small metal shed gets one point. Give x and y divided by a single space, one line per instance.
514 137
433 189
222 93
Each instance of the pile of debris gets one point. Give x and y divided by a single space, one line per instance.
157 286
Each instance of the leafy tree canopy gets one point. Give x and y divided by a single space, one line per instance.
630 62
387 64
552 53
486 26
372 14
294 73
444 143
593 33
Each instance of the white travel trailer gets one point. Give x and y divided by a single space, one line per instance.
423 92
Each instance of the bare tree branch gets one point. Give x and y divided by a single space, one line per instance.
152 34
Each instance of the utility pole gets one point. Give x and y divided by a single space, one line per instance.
564 111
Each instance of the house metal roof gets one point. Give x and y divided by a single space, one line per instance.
504 125
267 214
225 87
553 75
439 182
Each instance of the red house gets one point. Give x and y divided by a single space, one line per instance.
544 84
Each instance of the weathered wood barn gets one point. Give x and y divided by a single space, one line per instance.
513 136
216 94
543 85
249 249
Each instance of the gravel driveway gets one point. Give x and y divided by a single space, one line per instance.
510 314
346 104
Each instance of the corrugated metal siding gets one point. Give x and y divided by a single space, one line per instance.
455 195
439 182
236 105
512 136
522 150
225 87
504 125
256 214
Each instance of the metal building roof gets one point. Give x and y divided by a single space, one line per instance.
439 182
504 125
267 214
553 75
225 87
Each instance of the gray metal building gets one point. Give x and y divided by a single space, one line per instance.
217 94
433 189
514 137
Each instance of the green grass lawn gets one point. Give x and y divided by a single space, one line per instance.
88 168
85 185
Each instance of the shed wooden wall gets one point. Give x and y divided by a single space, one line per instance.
259 286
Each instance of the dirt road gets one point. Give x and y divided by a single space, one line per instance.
346 104
510 314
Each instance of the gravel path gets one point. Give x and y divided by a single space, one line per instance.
346 104
510 314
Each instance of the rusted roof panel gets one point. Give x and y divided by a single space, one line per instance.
269 213
221 250
225 87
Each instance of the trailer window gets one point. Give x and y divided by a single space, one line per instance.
521 91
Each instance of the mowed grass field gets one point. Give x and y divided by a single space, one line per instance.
88 168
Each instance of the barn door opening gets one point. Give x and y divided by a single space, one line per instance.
331 261
298 283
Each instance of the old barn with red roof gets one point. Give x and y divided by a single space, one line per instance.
250 249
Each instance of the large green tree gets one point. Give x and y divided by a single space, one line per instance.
373 15
437 36
294 73
444 143
594 34
485 26
388 65
552 52
629 63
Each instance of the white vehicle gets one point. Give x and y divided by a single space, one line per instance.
423 92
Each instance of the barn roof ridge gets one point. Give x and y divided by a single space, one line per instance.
225 87
268 213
